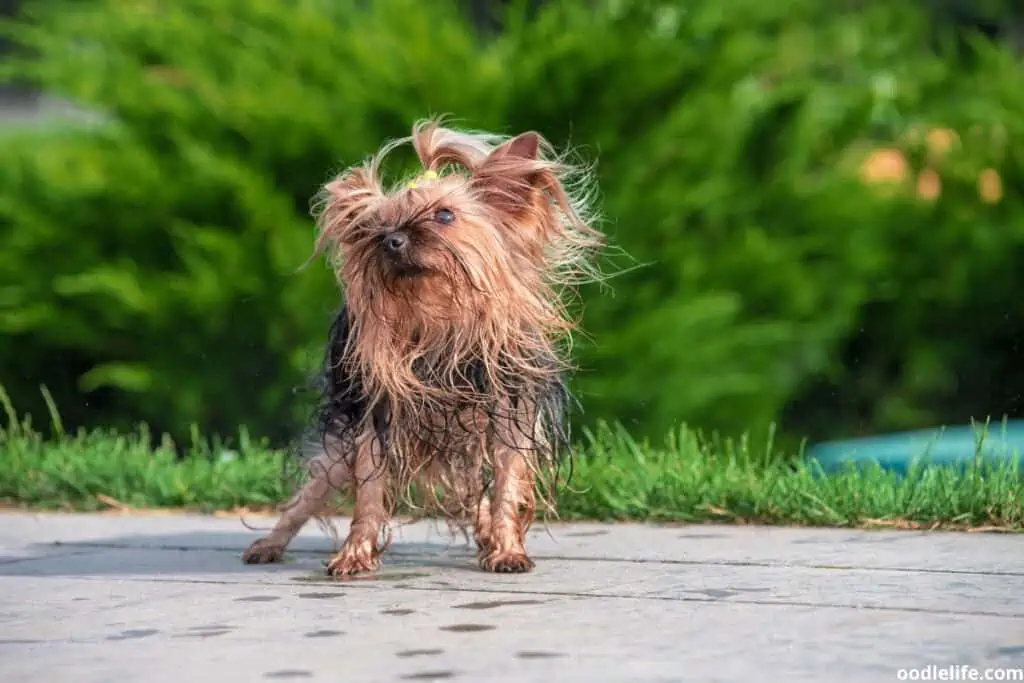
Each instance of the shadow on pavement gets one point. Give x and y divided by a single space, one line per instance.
212 552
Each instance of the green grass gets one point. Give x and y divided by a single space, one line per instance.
687 479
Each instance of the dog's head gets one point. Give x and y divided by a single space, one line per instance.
489 223
466 256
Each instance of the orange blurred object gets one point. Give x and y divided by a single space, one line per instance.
885 166
929 185
941 141
990 186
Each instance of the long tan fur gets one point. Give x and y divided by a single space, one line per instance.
459 344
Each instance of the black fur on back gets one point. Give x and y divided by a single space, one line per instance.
342 406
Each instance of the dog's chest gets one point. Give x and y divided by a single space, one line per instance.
467 376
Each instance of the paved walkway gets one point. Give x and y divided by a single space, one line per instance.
166 599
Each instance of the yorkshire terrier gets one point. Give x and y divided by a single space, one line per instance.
445 368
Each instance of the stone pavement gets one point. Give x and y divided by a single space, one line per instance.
162 599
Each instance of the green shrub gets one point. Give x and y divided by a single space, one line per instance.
148 262
156 254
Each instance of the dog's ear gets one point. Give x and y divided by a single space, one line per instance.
343 202
525 146
513 174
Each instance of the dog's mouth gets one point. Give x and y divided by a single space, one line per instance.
403 268
408 270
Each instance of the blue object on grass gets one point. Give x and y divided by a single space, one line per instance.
949 446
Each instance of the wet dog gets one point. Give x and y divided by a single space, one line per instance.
445 368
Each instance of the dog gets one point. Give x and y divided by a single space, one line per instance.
446 366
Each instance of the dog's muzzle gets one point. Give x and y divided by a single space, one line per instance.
397 248
396 244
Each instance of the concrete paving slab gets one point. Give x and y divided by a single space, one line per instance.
882 549
97 598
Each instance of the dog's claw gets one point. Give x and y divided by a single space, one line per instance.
351 568
263 551
355 559
507 563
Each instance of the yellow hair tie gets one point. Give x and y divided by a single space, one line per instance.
426 175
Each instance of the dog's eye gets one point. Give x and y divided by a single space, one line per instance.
444 216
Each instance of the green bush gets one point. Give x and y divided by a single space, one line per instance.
148 261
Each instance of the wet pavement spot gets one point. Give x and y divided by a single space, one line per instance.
538 654
20 641
323 633
582 534
1011 650
134 633
384 576
397 612
289 673
258 598
698 537
394 576
203 633
868 537
429 676
419 653
322 595
715 593
468 628
496 603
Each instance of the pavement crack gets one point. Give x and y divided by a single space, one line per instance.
477 590
396 552
6 561
786 565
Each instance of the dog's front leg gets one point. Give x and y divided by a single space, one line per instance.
511 513
329 475
482 524
360 552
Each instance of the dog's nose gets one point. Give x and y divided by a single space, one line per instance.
396 242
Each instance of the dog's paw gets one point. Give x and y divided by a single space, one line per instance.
354 558
263 551
506 563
